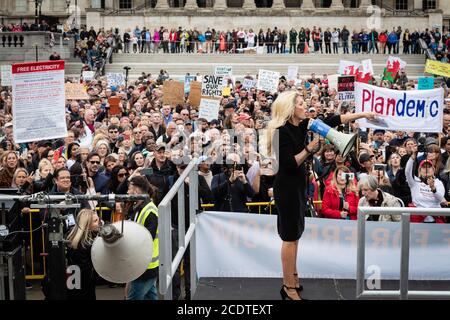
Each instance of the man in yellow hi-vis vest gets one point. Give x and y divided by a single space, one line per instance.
145 213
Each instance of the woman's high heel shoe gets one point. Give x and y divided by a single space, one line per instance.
284 294
300 287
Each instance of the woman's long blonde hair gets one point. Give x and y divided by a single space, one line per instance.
80 234
282 110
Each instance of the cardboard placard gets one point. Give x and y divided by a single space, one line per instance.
195 94
75 91
114 109
173 93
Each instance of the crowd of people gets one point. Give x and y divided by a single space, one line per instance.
274 40
147 144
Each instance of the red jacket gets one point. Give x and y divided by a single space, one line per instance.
331 202
382 38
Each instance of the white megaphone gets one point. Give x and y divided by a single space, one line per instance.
122 257
344 142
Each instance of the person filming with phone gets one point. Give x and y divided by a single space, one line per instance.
427 191
340 200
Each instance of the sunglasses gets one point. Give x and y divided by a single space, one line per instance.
137 132
94 162
121 175
114 131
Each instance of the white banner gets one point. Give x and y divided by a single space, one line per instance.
348 68
268 80
6 75
212 86
223 71
292 72
38 101
412 110
209 109
248 245
115 79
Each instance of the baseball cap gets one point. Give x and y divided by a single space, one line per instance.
229 106
424 162
203 159
160 146
379 131
430 140
244 116
312 110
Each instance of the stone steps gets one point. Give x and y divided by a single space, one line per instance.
177 65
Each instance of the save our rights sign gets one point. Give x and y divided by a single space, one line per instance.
212 86
411 110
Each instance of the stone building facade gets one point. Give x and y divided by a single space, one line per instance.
229 14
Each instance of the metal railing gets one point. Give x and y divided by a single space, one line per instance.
168 267
403 292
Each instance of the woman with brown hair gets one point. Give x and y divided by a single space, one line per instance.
10 163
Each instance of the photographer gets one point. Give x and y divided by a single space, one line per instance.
231 188
427 191
340 200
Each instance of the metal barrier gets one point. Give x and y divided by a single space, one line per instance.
403 293
40 276
256 204
168 267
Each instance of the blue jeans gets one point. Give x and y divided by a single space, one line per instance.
143 290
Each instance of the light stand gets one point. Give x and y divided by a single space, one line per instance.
127 69
56 241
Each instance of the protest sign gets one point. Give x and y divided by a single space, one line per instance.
187 81
88 75
248 84
438 68
212 86
226 92
223 71
115 79
346 88
209 109
6 75
426 83
268 80
411 110
195 93
75 91
333 81
173 93
38 93
292 72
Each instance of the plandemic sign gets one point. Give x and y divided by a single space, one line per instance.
212 86
413 110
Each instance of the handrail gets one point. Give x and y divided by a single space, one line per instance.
403 292
168 266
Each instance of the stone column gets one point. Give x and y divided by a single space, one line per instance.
190 5
308 4
337 4
162 5
249 5
220 5
364 4
278 4
109 4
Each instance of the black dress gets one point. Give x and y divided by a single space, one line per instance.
289 187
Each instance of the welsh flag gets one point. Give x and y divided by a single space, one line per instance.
393 66
365 73
348 68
